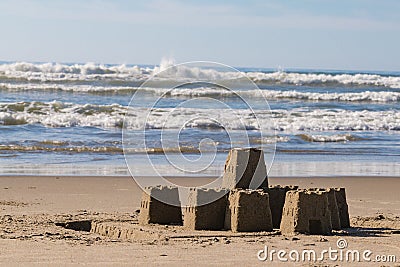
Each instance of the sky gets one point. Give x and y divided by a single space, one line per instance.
311 34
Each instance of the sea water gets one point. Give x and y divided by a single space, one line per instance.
68 119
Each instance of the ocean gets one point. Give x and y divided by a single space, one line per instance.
69 119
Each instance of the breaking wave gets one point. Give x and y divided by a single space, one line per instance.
367 96
55 72
326 79
81 88
61 72
96 149
76 149
60 114
352 97
328 138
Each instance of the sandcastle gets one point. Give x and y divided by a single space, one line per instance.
248 211
210 216
245 203
340 194
245 168
306 211
332 206
152 210
277 196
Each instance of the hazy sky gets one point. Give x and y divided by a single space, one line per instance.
330 34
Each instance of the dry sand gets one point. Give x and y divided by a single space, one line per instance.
30 207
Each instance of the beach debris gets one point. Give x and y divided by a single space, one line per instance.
152 210
248 211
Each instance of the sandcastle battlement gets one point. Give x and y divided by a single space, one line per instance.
287 187
168 193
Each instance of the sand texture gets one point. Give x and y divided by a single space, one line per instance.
94 220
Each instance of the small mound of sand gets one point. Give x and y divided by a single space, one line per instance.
13 203
379 221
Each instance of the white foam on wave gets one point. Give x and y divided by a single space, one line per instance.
336 120
59 114
327 138
367 96
91 71
322 78
82 88
60 72
382 96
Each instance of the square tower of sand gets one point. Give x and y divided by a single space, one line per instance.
152 210
306 212
340 194
206 209
248 211
277 195
245 168
332 205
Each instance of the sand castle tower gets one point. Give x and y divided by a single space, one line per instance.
154 211
248 211
277 195
332 205
201 216
340 194
306 212
245 168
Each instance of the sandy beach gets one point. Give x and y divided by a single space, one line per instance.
215 96
32 208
